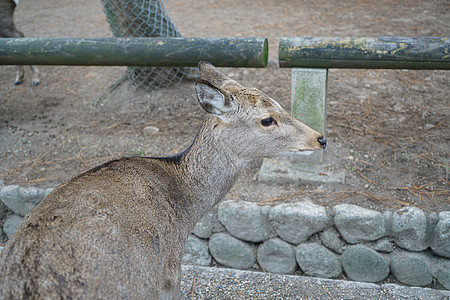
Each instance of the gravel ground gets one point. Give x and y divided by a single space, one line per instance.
218 283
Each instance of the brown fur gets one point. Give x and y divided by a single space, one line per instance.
118 231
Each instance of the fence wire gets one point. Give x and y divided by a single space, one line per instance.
145 18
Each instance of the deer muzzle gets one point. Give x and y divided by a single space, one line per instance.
322 141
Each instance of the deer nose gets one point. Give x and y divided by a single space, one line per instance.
322 141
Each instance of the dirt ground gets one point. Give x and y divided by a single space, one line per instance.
389 129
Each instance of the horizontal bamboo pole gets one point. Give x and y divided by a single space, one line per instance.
365 52
162 52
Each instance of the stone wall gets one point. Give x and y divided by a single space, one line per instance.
363 244
345 241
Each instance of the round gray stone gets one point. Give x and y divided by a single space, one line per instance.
277 256
196 252
444 278
296 222
409 228
441 235
9 196
330 239
244 220
411 271
11 224
231 252
150 130
316 260
357 224
364 264
383 245
22 200
204 228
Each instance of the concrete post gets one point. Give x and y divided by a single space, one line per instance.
308 100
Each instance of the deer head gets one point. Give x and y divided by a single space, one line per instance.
257 125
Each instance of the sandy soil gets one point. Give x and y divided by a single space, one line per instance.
387 128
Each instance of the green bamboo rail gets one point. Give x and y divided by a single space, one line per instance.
161 52
365 52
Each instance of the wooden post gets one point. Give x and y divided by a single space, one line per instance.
158 52
365 52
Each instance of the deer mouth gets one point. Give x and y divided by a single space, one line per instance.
296 151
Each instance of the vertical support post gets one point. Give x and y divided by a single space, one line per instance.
308 102
309 90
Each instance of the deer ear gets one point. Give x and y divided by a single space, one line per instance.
212 99
211 74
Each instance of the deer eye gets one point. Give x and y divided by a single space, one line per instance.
268 122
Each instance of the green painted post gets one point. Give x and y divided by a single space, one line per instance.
158 52
365 52
308 98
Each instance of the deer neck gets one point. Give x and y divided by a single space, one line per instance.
210 168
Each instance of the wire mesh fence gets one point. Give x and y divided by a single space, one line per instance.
145 18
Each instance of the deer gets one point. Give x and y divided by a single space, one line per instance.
118 230
9 30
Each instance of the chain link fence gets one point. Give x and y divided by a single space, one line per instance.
145 18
